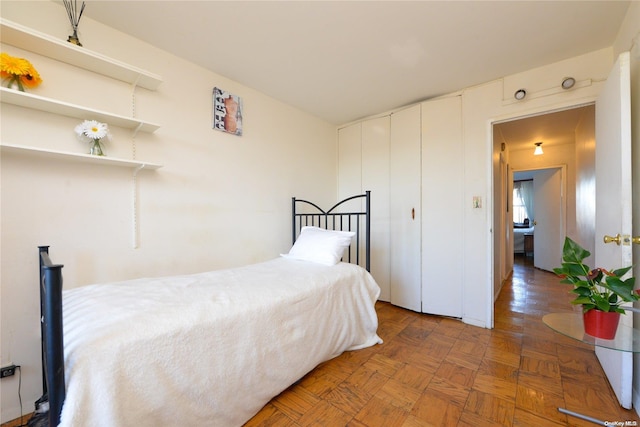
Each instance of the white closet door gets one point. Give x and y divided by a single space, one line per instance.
442 188
363 164
405 208
375 177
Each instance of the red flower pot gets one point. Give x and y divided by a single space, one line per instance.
601 324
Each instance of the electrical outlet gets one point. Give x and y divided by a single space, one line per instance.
7 371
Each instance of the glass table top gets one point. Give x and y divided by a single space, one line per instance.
570 324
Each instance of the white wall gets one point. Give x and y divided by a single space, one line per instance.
493 102
585 230
219 201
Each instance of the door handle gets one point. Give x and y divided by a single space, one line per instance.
636 240
413 213
609 239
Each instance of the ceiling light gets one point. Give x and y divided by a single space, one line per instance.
538 149
520 94
568 82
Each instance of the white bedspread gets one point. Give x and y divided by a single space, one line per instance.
209 349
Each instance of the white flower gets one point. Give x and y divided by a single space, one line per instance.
91 130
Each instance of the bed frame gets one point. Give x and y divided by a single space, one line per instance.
51 329
53 384
343 216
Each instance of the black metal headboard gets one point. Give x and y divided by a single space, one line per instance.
343 216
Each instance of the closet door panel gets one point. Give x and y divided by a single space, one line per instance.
405 208
375 177
442 198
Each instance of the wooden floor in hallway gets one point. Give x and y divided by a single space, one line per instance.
435 371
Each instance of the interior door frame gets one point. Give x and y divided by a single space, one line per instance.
497 183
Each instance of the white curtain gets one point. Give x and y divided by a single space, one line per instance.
526 192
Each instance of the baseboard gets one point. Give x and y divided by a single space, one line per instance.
474 322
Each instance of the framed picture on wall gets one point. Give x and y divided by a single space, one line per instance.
227 112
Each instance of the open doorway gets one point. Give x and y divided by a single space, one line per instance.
566 137
539 210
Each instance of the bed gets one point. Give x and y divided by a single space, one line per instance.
518 238
210 348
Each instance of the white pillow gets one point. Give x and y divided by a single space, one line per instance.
320 245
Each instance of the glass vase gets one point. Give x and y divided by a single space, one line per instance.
14 82
96 148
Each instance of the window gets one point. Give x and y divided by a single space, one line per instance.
519 209
523 201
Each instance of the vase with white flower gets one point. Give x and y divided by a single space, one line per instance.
18 72
93 132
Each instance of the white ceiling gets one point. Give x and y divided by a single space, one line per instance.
551 129
345 60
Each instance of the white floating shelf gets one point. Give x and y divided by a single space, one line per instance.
49 105
43 44
66 155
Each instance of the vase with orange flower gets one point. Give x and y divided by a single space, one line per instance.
18 72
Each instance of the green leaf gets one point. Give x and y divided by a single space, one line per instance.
621 271
600 299
582 300
582 291
573 252
624 289
603 305
574 269
587 307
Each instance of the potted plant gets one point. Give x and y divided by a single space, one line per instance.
600 292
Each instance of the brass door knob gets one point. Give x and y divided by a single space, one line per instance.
609 239
636 240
